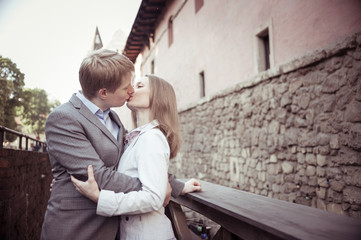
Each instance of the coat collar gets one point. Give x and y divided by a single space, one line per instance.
143 129
147 126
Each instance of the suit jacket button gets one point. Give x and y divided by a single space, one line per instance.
126 218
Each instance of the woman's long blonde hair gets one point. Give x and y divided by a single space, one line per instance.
163 108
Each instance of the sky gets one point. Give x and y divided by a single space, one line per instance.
48 39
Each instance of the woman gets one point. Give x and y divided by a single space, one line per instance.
148 150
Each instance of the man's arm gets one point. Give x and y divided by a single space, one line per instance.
72 150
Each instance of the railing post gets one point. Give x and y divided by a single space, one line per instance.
26 143
20 141
179 223
1 137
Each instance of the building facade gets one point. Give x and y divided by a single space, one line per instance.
202 47
269 93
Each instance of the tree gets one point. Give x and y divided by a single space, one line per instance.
31 105
35 109
11 85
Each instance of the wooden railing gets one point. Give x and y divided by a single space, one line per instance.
39 145
244 215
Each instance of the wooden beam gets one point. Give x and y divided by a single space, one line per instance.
179 223
251 216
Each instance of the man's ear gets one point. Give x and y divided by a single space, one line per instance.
102 93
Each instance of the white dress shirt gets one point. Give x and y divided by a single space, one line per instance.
147 157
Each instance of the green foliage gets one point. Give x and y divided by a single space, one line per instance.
30 105
11 85
35 109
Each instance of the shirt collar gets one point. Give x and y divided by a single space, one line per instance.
147 126
92 107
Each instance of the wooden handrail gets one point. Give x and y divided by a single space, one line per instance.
251 216
20 135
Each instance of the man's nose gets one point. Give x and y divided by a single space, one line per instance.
131 90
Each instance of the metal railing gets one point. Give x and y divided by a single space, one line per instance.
244 215
38 145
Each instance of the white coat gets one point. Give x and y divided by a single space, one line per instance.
147 158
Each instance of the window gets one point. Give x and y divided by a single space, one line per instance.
264 49
170 31
198 4
152 67
202 86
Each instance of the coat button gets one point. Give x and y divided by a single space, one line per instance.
126 218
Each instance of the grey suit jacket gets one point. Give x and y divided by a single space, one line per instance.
76 138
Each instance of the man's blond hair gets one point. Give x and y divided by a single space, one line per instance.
103 69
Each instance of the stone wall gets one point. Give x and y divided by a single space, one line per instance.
291 133
25 178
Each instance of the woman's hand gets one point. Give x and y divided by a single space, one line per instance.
52 184
191 185
89 188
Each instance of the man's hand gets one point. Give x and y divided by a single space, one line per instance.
89 188
168 195
191 185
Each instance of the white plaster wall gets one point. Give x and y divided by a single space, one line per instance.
219 39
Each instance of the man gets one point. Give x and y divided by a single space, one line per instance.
82 132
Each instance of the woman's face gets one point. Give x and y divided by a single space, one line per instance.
140 98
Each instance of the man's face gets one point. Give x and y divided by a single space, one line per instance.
121 94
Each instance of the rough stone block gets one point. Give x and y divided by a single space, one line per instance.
273 169
352 175
310 171
353 112
334 142
335 208
321 204
321 160
300 122
292 136
311 159
321 172
352 195
331 83
337 185
273 159
334 197
287 167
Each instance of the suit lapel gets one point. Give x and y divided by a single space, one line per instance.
116 119
83 110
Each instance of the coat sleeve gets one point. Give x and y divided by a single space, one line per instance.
177 186
152 158
72 151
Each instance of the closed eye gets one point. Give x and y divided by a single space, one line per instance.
139 85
